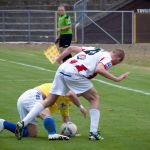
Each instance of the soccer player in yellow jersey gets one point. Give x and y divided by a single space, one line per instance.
26 102
62 104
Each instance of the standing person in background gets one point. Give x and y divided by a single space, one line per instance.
64 30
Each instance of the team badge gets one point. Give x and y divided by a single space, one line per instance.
81 56
108 65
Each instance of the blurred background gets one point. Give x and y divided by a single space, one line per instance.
94 21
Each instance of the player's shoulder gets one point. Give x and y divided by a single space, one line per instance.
67 16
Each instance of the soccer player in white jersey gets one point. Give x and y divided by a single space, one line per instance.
28 99
74 75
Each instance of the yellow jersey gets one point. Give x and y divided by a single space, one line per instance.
62 103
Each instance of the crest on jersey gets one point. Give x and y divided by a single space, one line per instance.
108 65
81 56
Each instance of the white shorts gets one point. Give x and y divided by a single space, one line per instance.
27 101
67 78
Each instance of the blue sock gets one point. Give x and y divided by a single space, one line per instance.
12 127
49 125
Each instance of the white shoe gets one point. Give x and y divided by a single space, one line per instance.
57 137
1 125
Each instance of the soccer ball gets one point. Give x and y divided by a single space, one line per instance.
1 125
68 129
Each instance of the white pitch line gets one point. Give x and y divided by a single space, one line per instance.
122 87
27 80
104 82
27 65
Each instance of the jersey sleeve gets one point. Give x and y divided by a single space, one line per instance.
106 62
68 20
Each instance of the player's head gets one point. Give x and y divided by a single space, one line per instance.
61 9
117 56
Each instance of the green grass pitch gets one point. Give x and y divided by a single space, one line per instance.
125 114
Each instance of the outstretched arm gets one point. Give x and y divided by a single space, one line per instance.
67 51
101 70
76 101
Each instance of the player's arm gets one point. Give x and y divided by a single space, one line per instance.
63 28
76 101
101 70
67 51
57 38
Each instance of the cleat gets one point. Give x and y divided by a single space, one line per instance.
19 130
1 125
95 136
57 137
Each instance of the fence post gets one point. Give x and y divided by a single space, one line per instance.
56 19
3 20
29 26
122 20
133 28
82 40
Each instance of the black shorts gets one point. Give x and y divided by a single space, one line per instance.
65 41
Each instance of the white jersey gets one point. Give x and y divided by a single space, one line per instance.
86 61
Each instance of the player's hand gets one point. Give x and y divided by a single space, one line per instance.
83 111
58 60
123 76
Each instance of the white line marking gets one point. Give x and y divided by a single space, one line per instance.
104 82
122 87
27 80
27 65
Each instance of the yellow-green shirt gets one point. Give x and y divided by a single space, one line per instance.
64 20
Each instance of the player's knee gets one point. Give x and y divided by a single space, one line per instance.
32 130
32 134
94 100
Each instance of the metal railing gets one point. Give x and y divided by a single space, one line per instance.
40 26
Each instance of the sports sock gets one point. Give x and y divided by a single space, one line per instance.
33 113
49 124
12 127
94 116
9 126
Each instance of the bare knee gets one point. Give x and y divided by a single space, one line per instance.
94 100
32 130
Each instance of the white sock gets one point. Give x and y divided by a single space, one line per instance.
94 116
33 113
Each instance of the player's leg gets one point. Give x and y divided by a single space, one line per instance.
64 42
39 107
69 50
25 103
32 114
92 96
10 126
85 88
50 126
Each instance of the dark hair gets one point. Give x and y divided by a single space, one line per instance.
119 53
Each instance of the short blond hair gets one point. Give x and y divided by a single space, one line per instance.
119 53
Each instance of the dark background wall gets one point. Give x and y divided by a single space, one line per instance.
112 24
